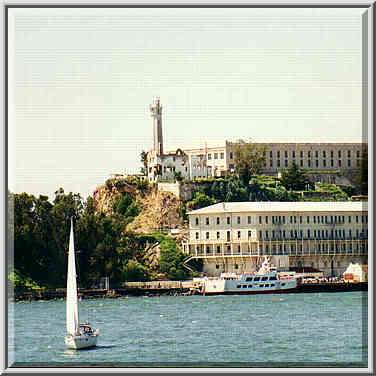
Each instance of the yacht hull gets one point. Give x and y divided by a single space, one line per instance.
81 341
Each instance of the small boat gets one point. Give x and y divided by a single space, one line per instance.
79 336
266 280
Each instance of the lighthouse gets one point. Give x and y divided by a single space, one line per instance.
156 114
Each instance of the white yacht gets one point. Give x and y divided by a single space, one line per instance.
266 280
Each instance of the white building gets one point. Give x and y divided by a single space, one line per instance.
234 236
218 160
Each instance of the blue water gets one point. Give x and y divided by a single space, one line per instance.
323 329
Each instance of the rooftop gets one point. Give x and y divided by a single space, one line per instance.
276 206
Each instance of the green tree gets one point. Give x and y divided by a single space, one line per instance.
361 177
294 178
236 191
200 200
249 158
171 260
144 161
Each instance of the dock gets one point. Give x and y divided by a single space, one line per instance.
172 288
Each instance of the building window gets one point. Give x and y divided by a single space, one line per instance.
238 220
316 154
218 249
217 266
324 154
207 221
249 234
293 153
271 154
331 163
278 154
348 153
209 157
239 234
286 154
231 155
266 219
309 154
228 235
309 163
222 155
357 163
260 220
271 163
324 162
286 163
266 234
196 221
349 163
260 234
331 154
228 220
356 219
307 218
301 163
358 154
217 220
308 233
207 235
278 163
339 163
218 235
249 219
215 155
317 163
339 153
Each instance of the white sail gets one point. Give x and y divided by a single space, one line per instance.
72 299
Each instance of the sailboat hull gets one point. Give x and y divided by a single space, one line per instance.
81 341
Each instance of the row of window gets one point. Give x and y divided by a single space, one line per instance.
281 219
294 234
294 154
310 154
310 164
215 156
286 248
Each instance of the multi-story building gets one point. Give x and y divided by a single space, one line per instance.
217 161
235 236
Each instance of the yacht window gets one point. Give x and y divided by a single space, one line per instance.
261 285
244 286
249 286
264 278
267 285
283 284
272 285
248 279
256 279
274 278
238 286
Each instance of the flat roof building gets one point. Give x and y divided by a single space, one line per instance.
233 236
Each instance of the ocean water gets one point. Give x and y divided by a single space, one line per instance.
289 330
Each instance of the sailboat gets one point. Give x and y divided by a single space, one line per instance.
79 336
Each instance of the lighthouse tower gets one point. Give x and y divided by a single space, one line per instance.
156 114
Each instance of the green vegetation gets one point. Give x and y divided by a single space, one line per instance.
295 178
249 158
103 246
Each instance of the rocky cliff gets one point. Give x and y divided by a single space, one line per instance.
159 210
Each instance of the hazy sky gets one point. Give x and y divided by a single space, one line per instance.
81 81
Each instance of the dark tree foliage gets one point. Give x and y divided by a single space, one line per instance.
103 247
249 158
294 178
